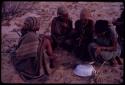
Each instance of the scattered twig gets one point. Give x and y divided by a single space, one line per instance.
99 72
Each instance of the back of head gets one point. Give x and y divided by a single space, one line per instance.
61 11
101 26
84 13
31 24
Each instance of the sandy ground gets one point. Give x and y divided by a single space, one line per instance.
63 73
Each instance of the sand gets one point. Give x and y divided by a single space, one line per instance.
63 73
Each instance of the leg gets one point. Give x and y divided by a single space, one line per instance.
112 62
54 43
117 55
118 60
92 51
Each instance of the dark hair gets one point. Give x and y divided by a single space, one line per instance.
101 26
23 32
122 14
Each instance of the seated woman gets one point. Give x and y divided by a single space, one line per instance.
119 23
83 35
61 28
30 60
105 46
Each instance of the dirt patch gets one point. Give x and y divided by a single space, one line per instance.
63 73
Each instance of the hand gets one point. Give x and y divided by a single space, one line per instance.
65 25
68 42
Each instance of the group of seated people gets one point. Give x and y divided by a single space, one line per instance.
88 41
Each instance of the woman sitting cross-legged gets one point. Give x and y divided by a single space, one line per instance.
105 46
34 57
83 35
61 29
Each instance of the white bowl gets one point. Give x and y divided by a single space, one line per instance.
84 70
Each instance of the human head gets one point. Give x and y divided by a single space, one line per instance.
84 14
101 26
62 12
31 24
